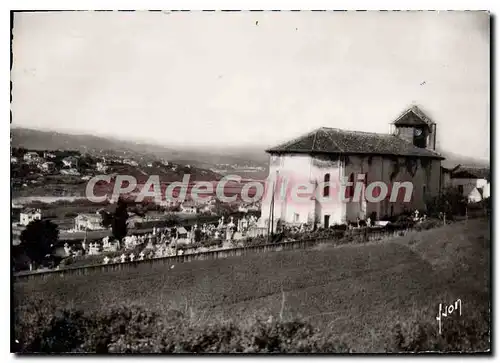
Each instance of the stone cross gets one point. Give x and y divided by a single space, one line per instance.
123 257
132 257
106 260
141 256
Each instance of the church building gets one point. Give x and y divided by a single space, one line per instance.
330 156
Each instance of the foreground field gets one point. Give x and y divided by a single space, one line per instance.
356 293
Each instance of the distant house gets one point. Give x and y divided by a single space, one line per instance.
472 183
208 208
28 215
130 162
87 221
101 166
134 220
48 166
48 155
168 203
182 235
445 177
31 157
71 171
70 161
189 207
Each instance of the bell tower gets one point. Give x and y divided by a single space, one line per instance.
415 127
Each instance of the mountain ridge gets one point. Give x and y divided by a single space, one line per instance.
200 156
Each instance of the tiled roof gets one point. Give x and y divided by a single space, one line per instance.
30 211
327 140
181 230
89 216
468 172
413 117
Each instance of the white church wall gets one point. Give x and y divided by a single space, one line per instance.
299 169
303 169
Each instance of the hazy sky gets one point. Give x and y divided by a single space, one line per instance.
251 78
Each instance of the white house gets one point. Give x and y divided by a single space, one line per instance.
87 221
189 207
130 162
101 166
28 215
71 171
473 183
333 156
182 235
31 156
70 161
48 166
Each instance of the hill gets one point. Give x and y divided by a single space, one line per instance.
453 159
356 292
96 145
202 157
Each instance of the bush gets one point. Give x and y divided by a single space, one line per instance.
450 202
137 330
428 224
458 335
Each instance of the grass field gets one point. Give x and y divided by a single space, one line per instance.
356 292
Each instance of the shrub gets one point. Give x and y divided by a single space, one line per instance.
428 224
458 334
450 202
137 330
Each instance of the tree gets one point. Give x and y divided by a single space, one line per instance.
38 239
223 209
117 220
172 220
449 203
197 235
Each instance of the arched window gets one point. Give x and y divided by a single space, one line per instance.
326 188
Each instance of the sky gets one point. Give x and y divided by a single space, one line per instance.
251 78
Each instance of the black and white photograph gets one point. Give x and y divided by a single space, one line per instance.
242 182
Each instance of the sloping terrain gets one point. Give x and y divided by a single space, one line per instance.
354 291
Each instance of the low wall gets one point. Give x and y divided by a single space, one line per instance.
358 236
